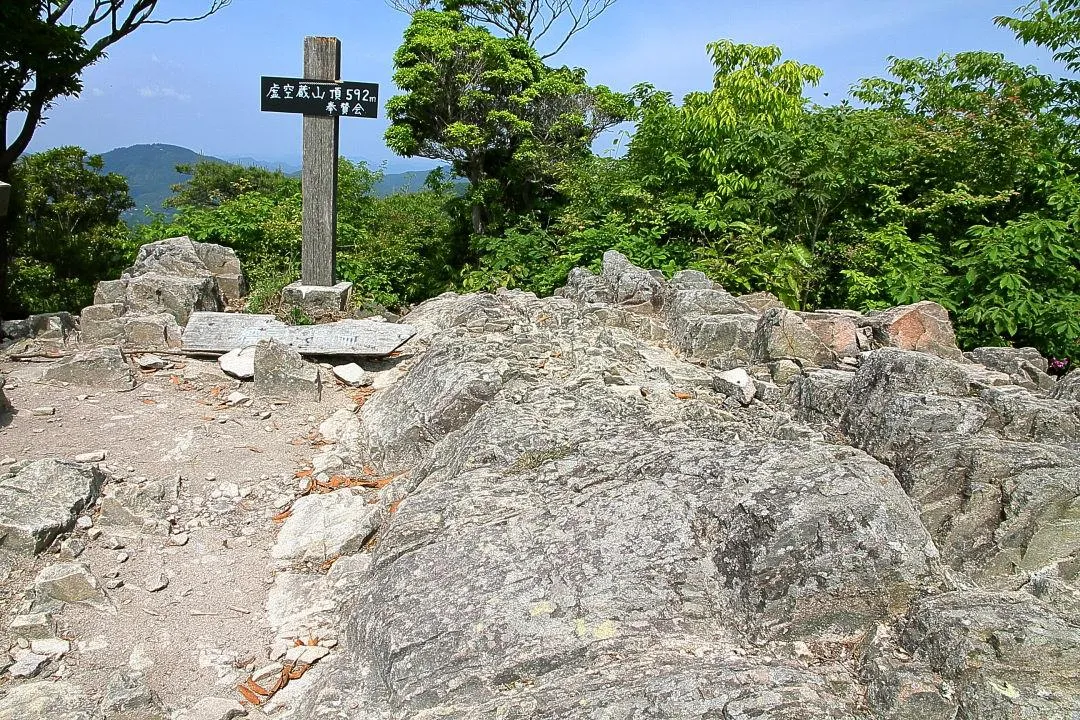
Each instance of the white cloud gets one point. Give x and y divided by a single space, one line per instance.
163 92
96 91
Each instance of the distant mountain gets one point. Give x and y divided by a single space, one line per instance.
289 168
151 172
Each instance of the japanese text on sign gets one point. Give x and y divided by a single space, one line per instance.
320 97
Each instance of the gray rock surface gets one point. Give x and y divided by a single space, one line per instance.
322 527
41 499
281 372
69 583
575 543
146 307
589 531
103 367
45 699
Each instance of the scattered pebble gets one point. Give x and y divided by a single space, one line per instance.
94 533
84 522
157 582
179 539
43 411
90 457
114 584
152 362
122 557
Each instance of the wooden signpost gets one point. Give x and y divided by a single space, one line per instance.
323 99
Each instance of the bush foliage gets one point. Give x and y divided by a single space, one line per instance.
951 179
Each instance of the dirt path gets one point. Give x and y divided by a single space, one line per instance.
200 481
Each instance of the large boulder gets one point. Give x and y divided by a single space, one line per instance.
923 327
41 499
550 522
1025 366
782 333
583 524
170 280
992 467
281 372
102 367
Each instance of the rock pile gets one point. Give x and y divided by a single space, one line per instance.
652 498
154 298
640 498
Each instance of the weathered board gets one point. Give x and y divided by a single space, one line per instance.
322 61
211 333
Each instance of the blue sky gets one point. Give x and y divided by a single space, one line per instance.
197 85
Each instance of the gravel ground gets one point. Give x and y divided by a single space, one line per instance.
231 469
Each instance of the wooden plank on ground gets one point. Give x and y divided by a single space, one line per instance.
213 333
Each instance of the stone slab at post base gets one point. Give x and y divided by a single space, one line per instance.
317 298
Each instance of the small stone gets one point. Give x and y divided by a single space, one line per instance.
111 542
239 363
233 543
70 583
114 584
152 362
85 522
27 664
157 582
263 416
238 399
736 384
33 626
279 647
94 533
230 490
266 675
43 411
306 654
122 557
352 375
8 461
91 457
55 648
173 509
179 539
72 547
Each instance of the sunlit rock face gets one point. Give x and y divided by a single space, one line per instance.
587 521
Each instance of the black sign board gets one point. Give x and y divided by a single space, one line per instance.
320 97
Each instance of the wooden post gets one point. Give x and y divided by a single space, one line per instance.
322 61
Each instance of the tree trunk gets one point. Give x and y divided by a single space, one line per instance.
479 218
5 233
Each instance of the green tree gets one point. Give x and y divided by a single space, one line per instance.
492 109
69 235
47 44
531 20
211 184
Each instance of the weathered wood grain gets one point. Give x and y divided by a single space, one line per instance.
322 61
213 333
